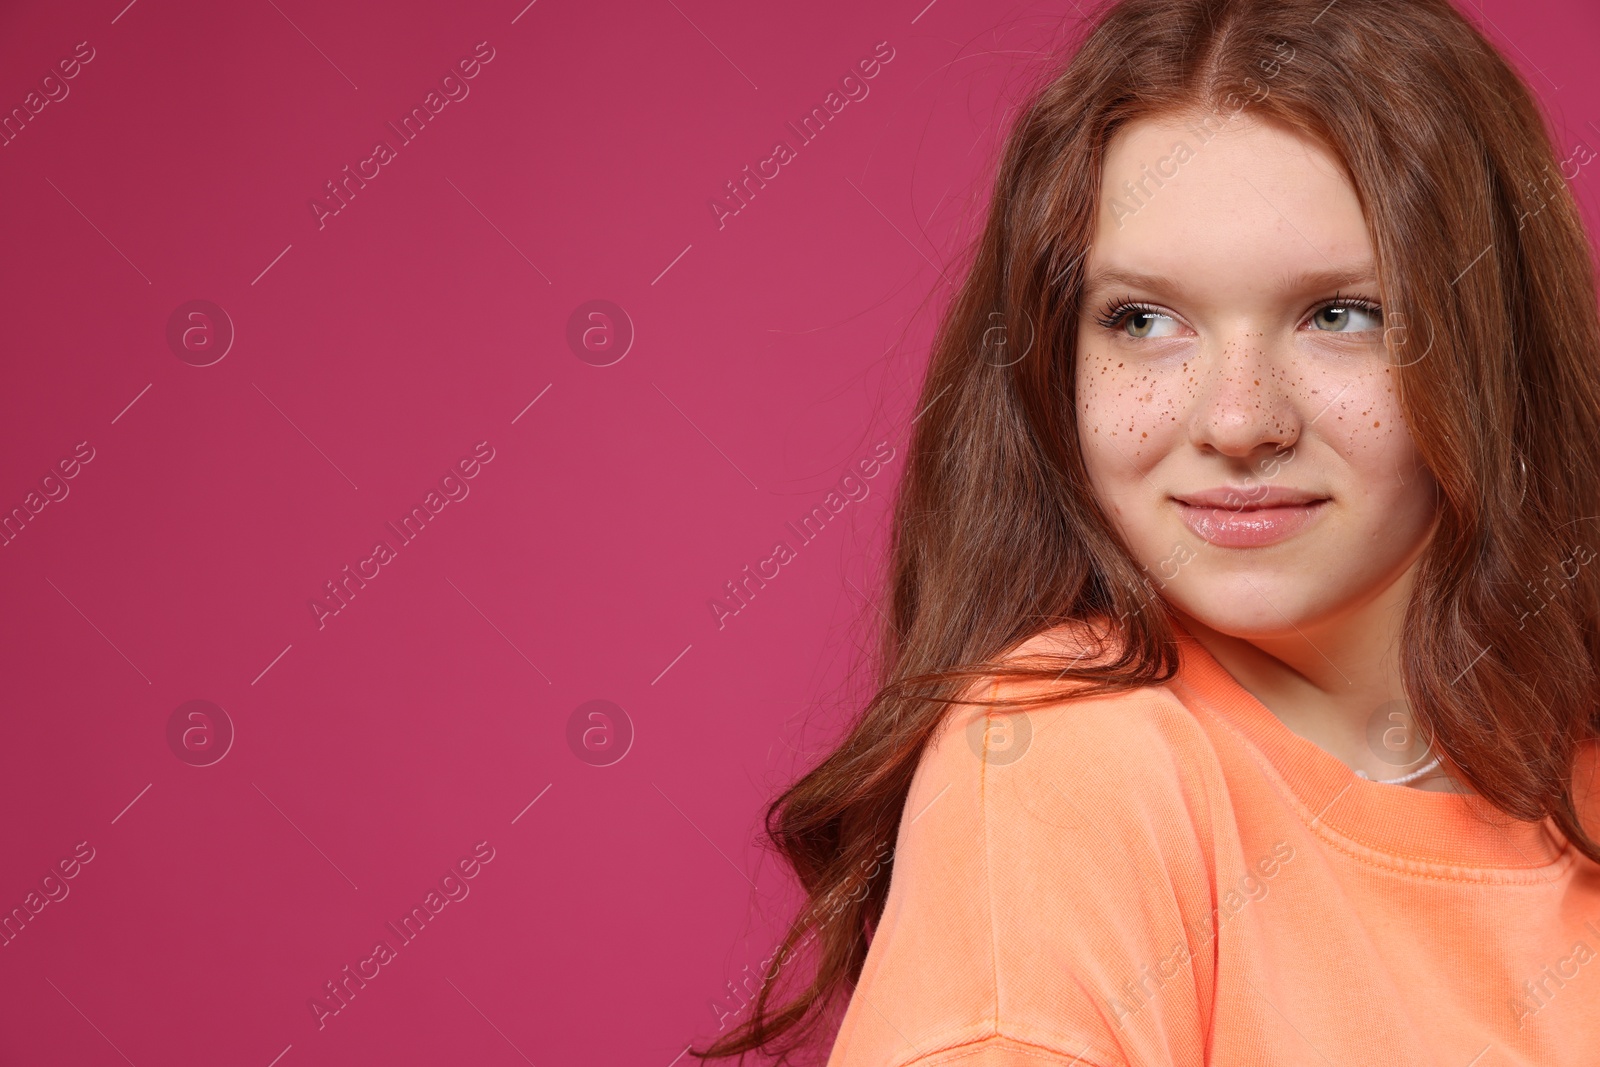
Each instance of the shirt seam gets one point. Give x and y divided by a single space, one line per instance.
970 1047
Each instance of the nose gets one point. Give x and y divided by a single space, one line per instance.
1243 407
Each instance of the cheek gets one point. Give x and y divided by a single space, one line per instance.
1367 427
1129 413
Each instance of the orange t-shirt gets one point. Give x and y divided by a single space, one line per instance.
1170 876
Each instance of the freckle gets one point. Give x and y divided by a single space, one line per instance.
1375 426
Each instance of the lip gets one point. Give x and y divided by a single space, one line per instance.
1248 517
1249 497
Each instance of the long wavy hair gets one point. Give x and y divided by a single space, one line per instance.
1490 309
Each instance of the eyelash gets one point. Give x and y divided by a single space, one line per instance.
1112 313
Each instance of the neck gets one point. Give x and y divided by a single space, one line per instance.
1336 681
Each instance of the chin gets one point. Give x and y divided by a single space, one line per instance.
1259 607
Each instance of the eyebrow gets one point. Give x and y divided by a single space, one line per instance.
1298 281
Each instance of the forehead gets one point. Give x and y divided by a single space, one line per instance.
1237 206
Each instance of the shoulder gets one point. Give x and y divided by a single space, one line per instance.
1045 854
1021 739
1051 768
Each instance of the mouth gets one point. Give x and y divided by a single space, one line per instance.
1249 517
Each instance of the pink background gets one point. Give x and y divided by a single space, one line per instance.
370 755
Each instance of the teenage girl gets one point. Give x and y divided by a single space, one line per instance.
1238 702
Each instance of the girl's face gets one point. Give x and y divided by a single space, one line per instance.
1238 412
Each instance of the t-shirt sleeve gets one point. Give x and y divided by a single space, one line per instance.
1052 895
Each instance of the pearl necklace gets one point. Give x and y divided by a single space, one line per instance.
1404 778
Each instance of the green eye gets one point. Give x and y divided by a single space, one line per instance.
1140 322
1137 321
1346 318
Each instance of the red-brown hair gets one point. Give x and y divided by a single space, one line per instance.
1488 290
